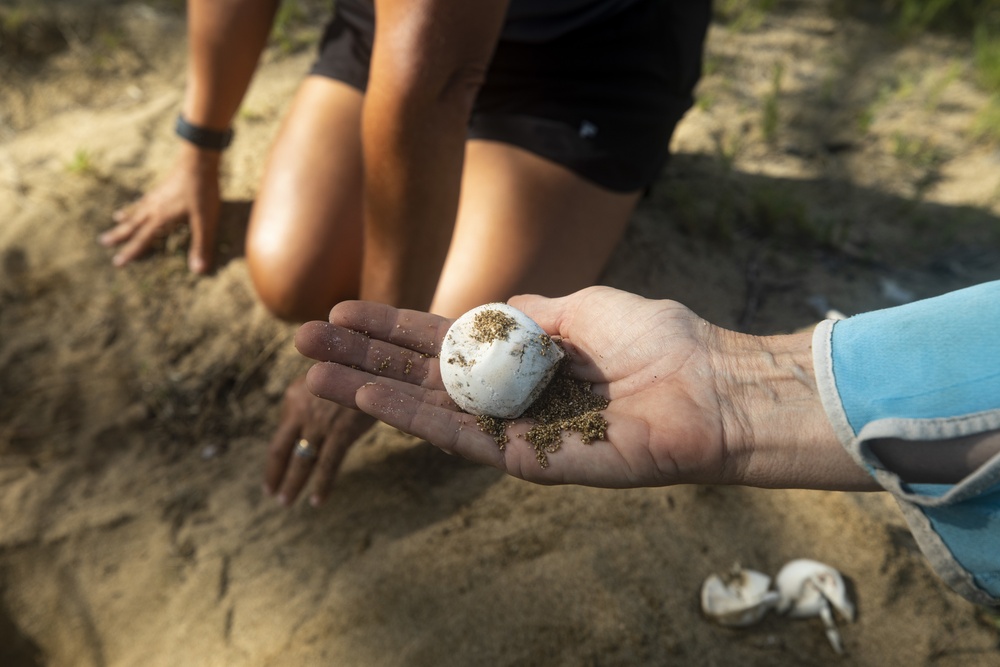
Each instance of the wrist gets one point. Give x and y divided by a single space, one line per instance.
204 161
776 432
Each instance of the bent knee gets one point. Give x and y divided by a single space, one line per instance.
279 291
292 290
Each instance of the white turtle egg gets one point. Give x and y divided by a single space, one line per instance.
496 361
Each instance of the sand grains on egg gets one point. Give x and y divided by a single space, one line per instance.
491 325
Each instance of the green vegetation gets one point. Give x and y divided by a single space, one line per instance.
895 88
727 208
987 124
27 32
920 153
728 146
82 163
285 33
922 157
956 16
296 25
935 94
771 119
986 47
975 20
712 64
251 115
11 20
705 101
743 15
986 54
775 212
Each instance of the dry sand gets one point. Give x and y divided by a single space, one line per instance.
135 404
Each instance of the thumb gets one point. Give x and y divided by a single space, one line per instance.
539 308
550 313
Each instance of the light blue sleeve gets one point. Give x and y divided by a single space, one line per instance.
929 370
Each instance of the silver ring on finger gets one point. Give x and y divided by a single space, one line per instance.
306 450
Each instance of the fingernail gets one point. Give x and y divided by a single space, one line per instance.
283 500
315 501
118 260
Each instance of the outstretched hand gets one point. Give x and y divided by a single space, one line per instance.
652 359
327 431
189 194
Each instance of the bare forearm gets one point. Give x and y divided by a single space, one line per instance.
413 159
225 40
430 58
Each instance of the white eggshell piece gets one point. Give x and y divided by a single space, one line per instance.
810 588
806 586
499 375
739 598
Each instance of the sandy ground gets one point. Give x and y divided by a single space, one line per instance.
135 404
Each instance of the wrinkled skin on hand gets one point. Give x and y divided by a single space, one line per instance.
189 194
330 428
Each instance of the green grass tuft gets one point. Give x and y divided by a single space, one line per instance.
771 116
986 55
916 152
743 15
986 126
82 163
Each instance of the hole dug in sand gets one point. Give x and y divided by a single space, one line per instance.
16 648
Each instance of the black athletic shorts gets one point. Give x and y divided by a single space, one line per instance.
602 100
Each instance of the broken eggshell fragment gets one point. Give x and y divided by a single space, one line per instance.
737 598
809 588
496 361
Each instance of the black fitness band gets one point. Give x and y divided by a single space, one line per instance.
202 137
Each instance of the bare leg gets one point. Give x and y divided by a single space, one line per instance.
304 241
526 225
304 255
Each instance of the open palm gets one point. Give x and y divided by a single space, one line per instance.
651 359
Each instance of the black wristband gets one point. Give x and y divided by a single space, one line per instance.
202 137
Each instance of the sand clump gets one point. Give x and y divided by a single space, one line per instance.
491 325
